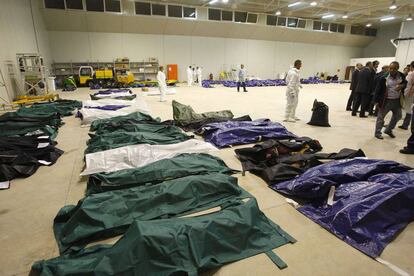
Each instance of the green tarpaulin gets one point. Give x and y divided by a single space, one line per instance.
141 127
110 213
120 139
185 114
166 169
63 107
119 120
178 246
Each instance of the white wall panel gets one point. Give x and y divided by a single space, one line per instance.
260 58
265 59
18 33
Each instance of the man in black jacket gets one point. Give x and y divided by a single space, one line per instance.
363 90
387 96
354 83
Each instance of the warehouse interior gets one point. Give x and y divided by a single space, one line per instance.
117 158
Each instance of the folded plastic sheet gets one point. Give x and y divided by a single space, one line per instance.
127 97
184 115
135 117
89 115
166 169
110 107
114 91
316 182
243 132
368 214
110 213
22 156
119 139
178 246
136 156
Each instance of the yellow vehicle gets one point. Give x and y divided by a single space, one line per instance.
104 77
124 76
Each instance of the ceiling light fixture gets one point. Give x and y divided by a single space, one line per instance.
313 3
409 18
278 13
328 16
393 6
369 25
212 2
387 18
294 4
225 1
345 16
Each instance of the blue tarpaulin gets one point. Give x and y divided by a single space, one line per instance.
368 214
243 132
316 182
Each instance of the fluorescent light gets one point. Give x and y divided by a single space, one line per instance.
212 2
387 18
393 6
225 1
192 14
344 16
369 25
328 16
409 18
278 13
313 3
294 4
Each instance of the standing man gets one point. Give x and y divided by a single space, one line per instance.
241 79
292 92
409 91
162 84
408 98
353 86
387 95
199 76
189 76
363 90
371 104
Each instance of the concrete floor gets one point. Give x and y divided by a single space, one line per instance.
27 209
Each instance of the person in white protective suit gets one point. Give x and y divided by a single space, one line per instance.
292 92
189 76
199 76
162 84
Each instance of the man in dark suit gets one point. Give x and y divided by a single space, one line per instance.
354 83
363 90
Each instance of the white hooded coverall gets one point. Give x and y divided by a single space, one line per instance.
292 93
162 85
199 76
189 76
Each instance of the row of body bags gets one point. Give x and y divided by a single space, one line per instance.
222 129
147 191
27 138
365 202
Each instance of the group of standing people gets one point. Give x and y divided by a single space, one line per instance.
194 75
387 91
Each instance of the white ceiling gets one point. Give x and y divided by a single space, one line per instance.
359 11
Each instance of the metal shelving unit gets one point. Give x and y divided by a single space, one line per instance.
142 70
